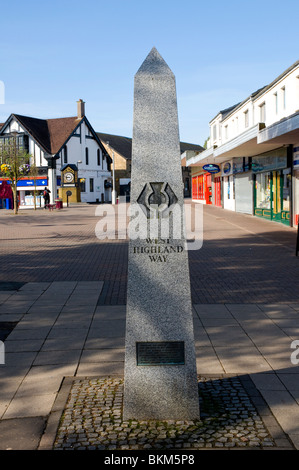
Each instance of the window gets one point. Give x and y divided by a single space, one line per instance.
283 91
99 157
263 190
86 156
226 131
263 112
276 102
214 132
65 154
82 185
91 185
21 142
246 118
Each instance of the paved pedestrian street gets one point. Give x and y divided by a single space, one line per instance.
62 321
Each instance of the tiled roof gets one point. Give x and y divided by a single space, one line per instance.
49 133
59 130
123 145
186 146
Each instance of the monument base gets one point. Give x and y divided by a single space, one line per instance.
164 395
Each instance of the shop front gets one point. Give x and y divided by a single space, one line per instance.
228 182
272 186
202 188
30 189
243 185
217 190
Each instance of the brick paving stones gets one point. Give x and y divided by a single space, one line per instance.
246 305
243 259
92 419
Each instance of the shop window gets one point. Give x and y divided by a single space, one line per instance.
286 191
263 190
200 187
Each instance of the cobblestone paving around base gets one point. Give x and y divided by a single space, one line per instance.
92 419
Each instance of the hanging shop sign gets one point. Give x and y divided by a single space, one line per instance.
211 168
226 168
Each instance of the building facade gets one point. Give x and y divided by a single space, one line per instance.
119 149
51 144
254 150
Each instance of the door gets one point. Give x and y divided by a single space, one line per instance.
208 189
276 196
272 195
243 190
217 187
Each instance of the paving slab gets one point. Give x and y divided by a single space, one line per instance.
21 433
220 349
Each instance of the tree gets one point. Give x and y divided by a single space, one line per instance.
205 145
34 173
14 165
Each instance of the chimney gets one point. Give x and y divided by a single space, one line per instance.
80 109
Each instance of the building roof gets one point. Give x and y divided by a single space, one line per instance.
51 134
226 112
186 146
277 79
123 145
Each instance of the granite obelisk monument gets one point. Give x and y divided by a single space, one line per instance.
160 363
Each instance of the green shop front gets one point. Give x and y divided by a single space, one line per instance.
272 185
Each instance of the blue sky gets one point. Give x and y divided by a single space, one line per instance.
55 52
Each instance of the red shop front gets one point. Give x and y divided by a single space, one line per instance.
217 191
202 188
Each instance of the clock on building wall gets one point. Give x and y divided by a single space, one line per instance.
69 175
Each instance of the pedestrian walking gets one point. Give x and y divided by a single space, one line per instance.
46 196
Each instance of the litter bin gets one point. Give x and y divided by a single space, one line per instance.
59 204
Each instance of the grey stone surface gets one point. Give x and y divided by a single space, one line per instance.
158 294
92 418
21 434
